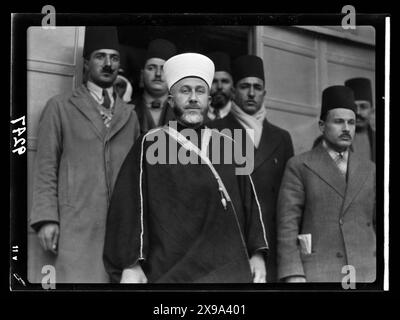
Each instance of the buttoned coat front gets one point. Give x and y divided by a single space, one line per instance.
77 163
315 199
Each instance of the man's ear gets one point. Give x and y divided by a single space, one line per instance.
170 100
85 64
321 124
85 70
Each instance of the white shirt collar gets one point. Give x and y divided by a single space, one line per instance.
334 154
97 92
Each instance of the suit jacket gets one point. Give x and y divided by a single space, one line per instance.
270 158
315 199
76 166
145 119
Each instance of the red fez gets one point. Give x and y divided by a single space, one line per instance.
97 38
361 87
248 66
160 48
336 97
222 61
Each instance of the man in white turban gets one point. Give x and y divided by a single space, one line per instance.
192 222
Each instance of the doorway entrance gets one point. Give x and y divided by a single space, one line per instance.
233 40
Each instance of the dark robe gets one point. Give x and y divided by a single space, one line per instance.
173 221
274 150
144 116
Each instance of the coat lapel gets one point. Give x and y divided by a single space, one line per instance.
323 165
230 122
270 140
82 100
139 109
357 174
122 114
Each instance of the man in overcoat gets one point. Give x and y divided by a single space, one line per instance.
326 206
83 138
272 145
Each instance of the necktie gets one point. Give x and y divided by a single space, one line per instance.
217 114
156 104
106 102
341 163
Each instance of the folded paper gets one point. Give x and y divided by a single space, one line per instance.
305 243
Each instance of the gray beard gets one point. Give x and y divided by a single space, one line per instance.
192 118
189 119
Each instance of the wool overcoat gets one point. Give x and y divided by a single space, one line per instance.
315 199
76 166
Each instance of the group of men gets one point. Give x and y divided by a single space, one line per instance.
108 212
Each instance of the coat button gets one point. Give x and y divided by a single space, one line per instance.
368 224
341 221
339 255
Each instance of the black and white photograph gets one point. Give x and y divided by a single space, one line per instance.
199 152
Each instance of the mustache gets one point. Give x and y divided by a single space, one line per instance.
345 135
192 105
360 118
219 94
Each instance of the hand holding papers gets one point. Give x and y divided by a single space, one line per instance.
305 243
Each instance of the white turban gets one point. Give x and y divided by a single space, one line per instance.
188 65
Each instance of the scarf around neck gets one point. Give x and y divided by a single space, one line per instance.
254 122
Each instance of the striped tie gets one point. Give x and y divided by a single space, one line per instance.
341 163
107 102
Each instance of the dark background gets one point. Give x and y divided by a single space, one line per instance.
201 39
